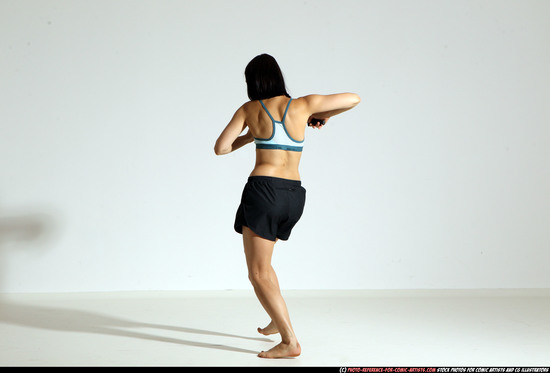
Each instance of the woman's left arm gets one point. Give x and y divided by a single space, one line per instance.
229 139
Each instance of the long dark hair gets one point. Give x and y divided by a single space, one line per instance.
264 78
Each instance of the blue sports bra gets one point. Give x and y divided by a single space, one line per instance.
280 138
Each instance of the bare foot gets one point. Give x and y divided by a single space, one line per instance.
270 329
282 350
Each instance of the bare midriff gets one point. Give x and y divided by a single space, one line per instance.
277 163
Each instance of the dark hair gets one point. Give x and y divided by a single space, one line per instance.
264 78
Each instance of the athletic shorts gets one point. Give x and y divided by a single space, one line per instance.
270 206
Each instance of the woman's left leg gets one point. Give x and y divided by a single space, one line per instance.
258 253
271 328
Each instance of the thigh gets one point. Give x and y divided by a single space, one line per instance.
258 251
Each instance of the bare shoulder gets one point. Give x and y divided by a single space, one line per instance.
309 102
248 105
302 103
304 100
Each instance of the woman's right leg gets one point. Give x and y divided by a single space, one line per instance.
258 253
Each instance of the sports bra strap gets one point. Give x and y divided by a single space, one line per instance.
268 113
287 105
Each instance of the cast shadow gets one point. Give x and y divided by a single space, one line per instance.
77 321
31 232
25 230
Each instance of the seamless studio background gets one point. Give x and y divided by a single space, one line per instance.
109 111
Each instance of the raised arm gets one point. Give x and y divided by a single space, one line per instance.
326 106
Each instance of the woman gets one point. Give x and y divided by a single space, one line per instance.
273 198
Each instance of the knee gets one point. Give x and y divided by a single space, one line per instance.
259 278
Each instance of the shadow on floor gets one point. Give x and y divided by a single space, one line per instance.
30 231
70 320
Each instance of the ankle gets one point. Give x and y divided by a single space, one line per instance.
289 340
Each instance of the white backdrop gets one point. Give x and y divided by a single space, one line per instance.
109 111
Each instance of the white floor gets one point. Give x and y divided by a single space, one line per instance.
335 328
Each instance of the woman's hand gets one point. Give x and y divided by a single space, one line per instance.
316 122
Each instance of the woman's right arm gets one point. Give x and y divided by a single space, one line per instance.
326 106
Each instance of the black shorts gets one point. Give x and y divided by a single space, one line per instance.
270 206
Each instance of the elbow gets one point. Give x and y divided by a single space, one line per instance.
355 100
218 150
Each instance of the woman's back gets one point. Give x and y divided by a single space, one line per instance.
288 119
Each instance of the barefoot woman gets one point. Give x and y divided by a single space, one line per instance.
273 198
